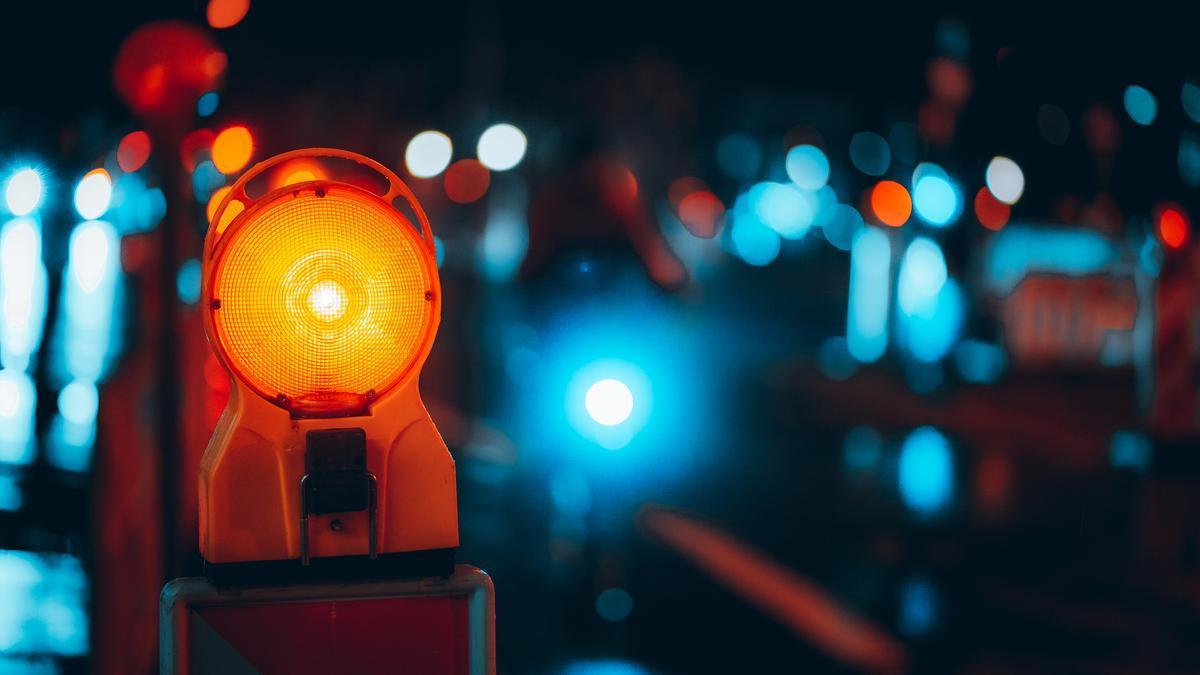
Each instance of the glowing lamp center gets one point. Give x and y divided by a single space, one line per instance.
328 301
609 402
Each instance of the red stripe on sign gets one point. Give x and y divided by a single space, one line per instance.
414 635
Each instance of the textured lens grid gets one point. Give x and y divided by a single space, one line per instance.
322 297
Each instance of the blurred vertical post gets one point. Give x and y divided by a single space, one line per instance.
160 71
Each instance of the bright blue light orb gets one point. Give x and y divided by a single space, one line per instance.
609 402
936 200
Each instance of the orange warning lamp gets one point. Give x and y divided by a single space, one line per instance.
322 302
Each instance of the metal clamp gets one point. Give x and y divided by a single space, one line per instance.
372 510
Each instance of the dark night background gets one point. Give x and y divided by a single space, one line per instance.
1064 529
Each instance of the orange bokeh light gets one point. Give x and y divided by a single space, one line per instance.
133 151
214 201
467 180
226 13
298 171
700 212
1173 227
232 148
891 203
991 212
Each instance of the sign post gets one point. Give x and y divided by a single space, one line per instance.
328 510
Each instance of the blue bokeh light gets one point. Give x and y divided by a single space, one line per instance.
1140 104
807 167
1130 450
921 277
187 281
918 607
869 153
614 604
926 472
783 208
936 199
870 283
1190 97
207 104
751 239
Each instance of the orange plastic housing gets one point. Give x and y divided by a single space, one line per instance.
322 301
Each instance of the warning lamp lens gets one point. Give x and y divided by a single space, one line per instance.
322 298
327 301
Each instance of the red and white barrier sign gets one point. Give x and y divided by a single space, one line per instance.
432 626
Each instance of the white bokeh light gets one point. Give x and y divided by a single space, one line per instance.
428 154
93 194
501 147
609 402
1005 179
23 193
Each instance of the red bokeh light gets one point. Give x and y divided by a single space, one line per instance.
700 212
1173 227
133 151
466 181
991 212
163 68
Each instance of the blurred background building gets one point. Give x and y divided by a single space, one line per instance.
806 338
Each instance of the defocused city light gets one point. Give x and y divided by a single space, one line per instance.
207 104
870 283
918 607
232 149
843 224
23 292
501 147
783 208
991 212
614 604
428 154
1005 179
609 402
935 197
187 281
870 154
467 181
93 194
23 192
205 179
926 472
922 274
701 212
1190 97
1173 227
891 203
503 244
807 167
753 241
133 151
1140 105
226 13
1130 450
